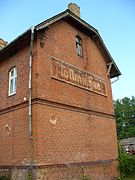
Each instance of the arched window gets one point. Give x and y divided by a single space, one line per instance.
12 81
79 48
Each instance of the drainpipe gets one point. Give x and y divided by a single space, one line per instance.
30 80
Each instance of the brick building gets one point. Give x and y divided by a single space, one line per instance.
56 109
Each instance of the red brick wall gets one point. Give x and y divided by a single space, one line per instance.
60 43
67 127
21 61
67 136
15 144
77 136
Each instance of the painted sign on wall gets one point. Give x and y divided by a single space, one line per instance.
77 77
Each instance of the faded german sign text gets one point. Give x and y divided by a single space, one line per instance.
75 76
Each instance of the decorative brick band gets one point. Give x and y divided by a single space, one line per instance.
14 107
58 105
73 108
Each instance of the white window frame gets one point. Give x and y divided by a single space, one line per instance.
12 81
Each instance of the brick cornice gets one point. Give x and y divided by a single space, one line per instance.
73 108
60 106
13 107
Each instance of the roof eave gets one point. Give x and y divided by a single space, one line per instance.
14 41
64 14
117 71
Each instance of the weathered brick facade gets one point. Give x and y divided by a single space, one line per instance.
73 127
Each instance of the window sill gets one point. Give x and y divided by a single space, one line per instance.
12 94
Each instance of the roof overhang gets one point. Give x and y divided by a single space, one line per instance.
23 36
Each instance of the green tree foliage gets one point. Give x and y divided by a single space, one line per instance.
126 163
125 117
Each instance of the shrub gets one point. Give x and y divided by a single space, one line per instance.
126 163
4 178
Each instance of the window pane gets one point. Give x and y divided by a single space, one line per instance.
11 86
79 46
12 81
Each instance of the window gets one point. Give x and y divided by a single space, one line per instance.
12 81
79 46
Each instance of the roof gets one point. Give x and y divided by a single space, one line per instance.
84 26
127 141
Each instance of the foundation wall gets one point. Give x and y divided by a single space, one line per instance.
104 171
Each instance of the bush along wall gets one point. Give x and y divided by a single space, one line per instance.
126 163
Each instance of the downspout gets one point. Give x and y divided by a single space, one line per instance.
30 81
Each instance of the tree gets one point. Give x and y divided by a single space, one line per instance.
125 117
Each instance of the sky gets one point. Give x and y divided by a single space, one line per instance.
114 20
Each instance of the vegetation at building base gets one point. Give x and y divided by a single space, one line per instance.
125 123
126 164
86 178
4 178
125 117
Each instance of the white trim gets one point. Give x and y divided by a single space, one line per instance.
14 78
